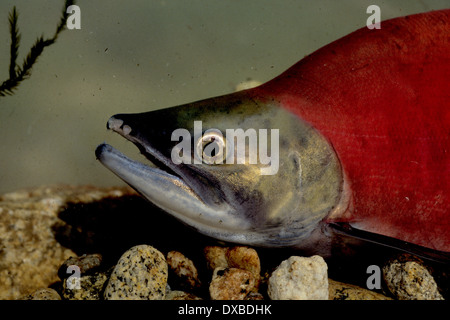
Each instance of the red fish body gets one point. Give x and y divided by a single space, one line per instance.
382 99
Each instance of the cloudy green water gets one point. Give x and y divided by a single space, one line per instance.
141 55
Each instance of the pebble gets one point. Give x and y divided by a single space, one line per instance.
82 277
140 274
32 230
408 279
344 291
216 257
43 294
239 257
180 295
87 287
87 263
254 296
299 278
184 269
247 259
231 284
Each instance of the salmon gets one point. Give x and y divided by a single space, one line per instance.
353 140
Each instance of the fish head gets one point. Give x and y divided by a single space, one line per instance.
233 167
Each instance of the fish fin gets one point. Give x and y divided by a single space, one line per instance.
417 250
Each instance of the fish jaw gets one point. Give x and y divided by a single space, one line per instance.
171 194
168 191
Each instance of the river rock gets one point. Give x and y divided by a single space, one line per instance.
30 255
184 269
216 257
345 291
254 296
140 274
239 257
231 284
245 258
83 277
43 294
408 279
299 278
180 295
87 263
87 287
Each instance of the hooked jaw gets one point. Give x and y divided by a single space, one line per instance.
151 182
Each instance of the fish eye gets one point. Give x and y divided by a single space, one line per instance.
212 147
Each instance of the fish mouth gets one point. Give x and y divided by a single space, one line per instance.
155 158
171 187
159 167
150 181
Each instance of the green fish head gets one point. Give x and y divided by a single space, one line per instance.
234 168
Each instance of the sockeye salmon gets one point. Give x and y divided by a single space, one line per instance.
363 129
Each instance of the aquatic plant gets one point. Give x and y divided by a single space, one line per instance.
19 73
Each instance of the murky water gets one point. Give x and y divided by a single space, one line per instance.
140 55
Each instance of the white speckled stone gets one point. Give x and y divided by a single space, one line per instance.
140 274
299 278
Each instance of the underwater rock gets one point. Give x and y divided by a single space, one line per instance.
408 279
299 278
184 270
216 257
86 263
140 274
231 284
247 259
43 294
87 287
84 277
180 295
29 252
239 257
254 296
343 291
